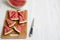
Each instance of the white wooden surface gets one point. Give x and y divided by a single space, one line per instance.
47 19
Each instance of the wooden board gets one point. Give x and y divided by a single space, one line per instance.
22 35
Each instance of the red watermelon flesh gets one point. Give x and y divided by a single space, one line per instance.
21 13
22 18
10 22
17 3
19 28
13 15
7 30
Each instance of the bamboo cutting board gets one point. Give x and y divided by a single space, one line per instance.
22 35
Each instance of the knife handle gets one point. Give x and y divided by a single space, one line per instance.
31 32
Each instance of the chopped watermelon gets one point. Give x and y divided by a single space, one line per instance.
7 30
19 28
10 22
13 14
22 18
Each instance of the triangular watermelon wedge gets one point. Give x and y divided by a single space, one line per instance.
13 14
22 18
7 30
19 28
10 22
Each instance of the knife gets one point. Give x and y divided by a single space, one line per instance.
31 29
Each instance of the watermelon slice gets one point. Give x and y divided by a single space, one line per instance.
17 3
7 30
13 14
10 22
22 18
19 28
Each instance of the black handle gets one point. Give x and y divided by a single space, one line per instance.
31 32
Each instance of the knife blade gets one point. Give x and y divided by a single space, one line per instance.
31 29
